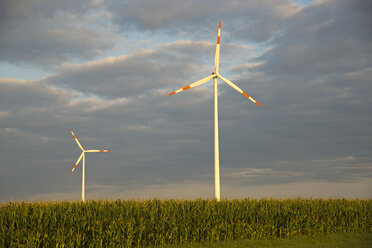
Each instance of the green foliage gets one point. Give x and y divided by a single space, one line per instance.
339 240
154 222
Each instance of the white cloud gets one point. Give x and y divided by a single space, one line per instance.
91 104
247 173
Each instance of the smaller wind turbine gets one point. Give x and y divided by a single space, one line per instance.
77 162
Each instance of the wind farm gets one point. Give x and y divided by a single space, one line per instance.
214 76
168 85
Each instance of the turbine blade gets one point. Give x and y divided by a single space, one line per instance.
98 151
77 141
197 83
77 162
238 89
217 54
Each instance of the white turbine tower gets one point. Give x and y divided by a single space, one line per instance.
214 76
77 162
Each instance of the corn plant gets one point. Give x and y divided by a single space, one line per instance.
155 222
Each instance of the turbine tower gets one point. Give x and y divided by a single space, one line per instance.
214 76
82 156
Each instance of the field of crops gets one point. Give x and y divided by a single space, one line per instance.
154 222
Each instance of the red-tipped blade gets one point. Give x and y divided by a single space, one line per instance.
250 98
238 89
76 139
217 54
73 169
197 83
77 162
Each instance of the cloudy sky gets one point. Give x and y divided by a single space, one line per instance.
105 69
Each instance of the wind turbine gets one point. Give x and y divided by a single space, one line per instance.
214 76
77 162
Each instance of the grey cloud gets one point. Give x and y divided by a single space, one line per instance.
314 85
323 39
139 73
48 33
24 94
253 20
24 9
341 169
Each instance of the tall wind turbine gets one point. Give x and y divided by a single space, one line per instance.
214 76
77 162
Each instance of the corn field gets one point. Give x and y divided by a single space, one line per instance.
155 222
